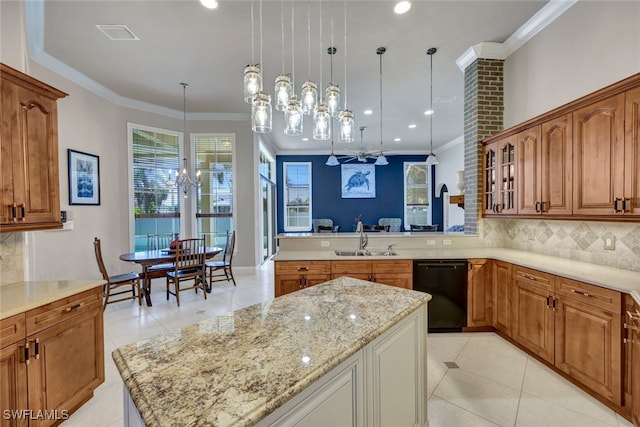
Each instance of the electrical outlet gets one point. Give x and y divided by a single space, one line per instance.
446 242
610 243
324 243
431 242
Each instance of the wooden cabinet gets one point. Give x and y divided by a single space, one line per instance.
501 289
545 168
57 361
500 160
631 197
291 276
479 294
29 145
632 359
396 272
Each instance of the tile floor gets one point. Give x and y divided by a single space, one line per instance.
495 384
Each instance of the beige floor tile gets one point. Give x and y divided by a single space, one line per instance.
445 347
103 409
622 422
445 414
536 412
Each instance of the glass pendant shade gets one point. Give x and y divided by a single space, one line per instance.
283 91
332 96
332 160
347 126
321 123
261 113
309 97
381 160
252 82
432 160
293 118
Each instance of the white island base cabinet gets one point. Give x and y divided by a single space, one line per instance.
382 384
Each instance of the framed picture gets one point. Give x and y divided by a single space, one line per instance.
358 181
84 178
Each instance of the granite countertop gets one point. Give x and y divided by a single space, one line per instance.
607 277
19 297
237 368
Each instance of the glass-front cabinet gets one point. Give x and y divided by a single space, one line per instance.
499 161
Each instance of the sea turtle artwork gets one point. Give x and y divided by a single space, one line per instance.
358 179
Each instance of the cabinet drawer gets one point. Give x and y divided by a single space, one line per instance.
62 309
12 329
309 267
596 296
347 267
533 277
393 266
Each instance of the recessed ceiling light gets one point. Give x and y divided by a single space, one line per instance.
412 126
368 112
305 139
402 7
210 4
428 112
397 139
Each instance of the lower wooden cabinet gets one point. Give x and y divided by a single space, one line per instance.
56 364
501 289
632 361
291 276
479 293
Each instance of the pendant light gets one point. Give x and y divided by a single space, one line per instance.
346 117
283 86
261 108
321 116
332 94
332 160
381 160
252 75
431 159
309 95
293 113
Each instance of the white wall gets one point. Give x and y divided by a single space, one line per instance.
591 45
451 160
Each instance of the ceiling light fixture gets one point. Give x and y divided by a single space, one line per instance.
367 112
209 4
309 95
402 7
283 87
293 114
252 75
431 159
381 160
261 107
412 126
321 116
346 117
332 93
182 180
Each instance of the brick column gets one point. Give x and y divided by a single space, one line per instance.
483 117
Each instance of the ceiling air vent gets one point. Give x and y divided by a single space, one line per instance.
445 99
117 32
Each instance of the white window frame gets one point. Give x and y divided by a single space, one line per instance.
288 227
407 226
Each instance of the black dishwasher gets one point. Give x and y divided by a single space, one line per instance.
446 281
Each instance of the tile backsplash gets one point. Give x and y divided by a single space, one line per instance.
577 240
11 258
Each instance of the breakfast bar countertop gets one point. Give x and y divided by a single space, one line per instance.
19 297
237 368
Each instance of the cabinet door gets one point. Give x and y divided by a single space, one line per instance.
628 348
67 363
529 171
400 280
490 178
315 279
502 297
34 155
13 383
350 268
632 153
287 283
588 347
635 375
397 272
556 161
598 153
533 321
479 307
507 163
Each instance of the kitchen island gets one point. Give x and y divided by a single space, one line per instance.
292 359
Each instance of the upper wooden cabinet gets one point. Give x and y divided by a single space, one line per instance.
29 143
579 160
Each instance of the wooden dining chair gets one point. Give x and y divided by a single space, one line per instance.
222 268
419 227
189 265
159 241
114 282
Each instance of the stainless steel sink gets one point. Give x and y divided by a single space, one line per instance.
364 253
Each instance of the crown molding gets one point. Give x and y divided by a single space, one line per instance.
489 50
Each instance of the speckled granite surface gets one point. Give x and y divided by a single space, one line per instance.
237 368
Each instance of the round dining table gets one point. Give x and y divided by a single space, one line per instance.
160 256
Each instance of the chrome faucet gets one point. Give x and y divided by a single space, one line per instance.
364 239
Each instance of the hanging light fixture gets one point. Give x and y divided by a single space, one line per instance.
332 93
309 94
321 116
283 87
332 160
182 180
431 159
293 114
381 160
252 74
346 117
261 118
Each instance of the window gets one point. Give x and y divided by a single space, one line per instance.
156 205
297 196
214 210
268 189
416 194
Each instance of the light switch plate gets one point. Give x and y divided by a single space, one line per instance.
431 242
446 242
324 243
610 243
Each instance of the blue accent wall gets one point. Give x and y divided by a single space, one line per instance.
327 201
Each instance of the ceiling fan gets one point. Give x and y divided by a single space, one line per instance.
363 154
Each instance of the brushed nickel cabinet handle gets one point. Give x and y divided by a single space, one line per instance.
584 294
303 269
73 307
22 211
526 276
